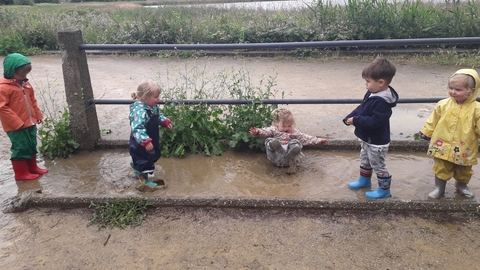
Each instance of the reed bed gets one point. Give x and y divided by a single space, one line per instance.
33 29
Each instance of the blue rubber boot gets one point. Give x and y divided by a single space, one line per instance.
383 190
143 179
362 182
150 183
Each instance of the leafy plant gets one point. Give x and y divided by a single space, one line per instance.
120 213
198 129
55 135
56 138
242 117
203 128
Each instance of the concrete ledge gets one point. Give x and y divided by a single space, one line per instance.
33 199
354 145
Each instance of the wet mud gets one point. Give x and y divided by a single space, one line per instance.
321 175
218 238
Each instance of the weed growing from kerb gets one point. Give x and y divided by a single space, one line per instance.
55 135
242 117
202 128
121 213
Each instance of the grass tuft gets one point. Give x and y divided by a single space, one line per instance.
121 213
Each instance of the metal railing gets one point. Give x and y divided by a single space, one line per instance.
81 102
264 101
283 45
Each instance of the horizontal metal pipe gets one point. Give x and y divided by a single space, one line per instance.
265 101
284 45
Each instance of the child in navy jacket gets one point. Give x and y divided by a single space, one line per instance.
372 126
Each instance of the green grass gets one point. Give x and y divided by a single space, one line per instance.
36 27
120 213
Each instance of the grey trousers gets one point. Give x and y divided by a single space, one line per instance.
373 156
278 158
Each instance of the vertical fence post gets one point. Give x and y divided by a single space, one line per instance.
78 90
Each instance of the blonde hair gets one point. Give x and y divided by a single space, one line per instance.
282 115
466 79
145 90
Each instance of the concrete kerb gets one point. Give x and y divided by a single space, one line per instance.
34 198
351 145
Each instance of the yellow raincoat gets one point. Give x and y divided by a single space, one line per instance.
454 128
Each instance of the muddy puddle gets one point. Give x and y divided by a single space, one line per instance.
322 175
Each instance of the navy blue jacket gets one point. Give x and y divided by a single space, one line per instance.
372 118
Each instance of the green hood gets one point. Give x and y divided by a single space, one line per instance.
474 75
11 62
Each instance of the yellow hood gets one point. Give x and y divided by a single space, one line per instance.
474 75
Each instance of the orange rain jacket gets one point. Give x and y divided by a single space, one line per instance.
18 106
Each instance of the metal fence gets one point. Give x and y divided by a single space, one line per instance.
81 102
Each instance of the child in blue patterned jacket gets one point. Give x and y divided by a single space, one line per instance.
145 119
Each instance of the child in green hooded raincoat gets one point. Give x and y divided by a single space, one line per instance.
19 115
453 129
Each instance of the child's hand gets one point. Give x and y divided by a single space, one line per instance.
167 123
253 131
349 121
39 121
321 141
149 146
423 136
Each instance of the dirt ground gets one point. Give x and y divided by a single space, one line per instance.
190 238
179 238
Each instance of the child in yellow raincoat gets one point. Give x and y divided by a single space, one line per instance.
453 130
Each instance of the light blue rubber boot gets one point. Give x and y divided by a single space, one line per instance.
362 182
143 179
383 190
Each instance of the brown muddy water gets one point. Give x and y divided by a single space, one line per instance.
322 175
220 238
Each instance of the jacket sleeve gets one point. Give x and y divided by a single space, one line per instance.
137 125
164 121
10 120
36 110
305 139
380 117
267 132
477 120
352 114
432 121
355 112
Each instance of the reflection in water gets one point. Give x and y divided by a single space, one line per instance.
28 185
271 5
321 176
265 5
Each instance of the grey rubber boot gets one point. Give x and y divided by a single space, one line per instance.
276 146
463 189
439 189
